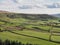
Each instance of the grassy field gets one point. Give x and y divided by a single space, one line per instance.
25 39
34 31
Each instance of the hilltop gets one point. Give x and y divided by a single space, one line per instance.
26 16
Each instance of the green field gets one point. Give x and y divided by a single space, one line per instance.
28 30
25 39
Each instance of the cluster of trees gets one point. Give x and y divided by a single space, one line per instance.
43 17
8 42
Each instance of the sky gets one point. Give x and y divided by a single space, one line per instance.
31 6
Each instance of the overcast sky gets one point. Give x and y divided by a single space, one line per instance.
31 6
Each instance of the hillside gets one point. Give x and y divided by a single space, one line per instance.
56 15
3 11
26 16
29 28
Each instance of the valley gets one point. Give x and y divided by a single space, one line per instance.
30 28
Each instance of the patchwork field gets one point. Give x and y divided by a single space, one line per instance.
30 29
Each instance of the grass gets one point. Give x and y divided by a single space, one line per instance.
33 33
28 24
24 39
37 34
56 38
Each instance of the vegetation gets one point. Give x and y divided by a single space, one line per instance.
29 29
8 42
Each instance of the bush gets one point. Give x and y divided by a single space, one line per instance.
8 42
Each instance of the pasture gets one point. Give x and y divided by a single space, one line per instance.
30 31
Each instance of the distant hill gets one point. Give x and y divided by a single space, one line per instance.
56 15
26 16
3 11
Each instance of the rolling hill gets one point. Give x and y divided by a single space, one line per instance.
56 15
25 28
26 16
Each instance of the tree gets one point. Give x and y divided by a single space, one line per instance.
50 30
1 42
7 42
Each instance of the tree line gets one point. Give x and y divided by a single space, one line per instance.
8 42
